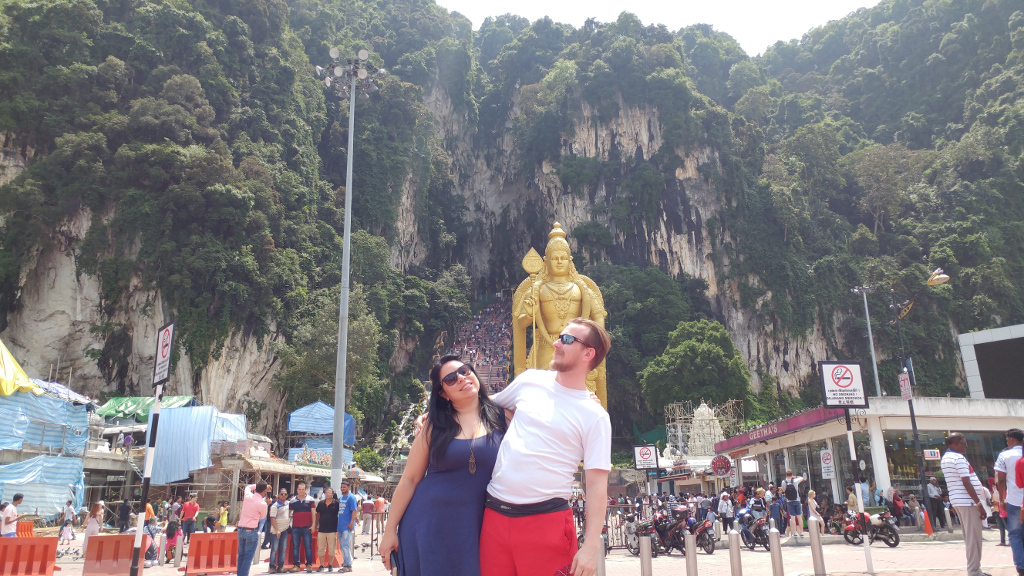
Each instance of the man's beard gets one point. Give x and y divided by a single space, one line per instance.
559 364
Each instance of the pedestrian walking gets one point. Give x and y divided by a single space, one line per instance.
792 490
189 514
1011 493
935 501
965 493
254 508
124 516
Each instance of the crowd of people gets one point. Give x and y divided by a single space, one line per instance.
485 340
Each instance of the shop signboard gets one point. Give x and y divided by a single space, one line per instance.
828 465
645 457
842 385
932 455
905 386
721 465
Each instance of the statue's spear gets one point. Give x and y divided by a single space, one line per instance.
533 264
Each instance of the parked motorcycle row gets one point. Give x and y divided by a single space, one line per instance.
666 529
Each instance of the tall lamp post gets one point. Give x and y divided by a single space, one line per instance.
864 291
346 78
907 366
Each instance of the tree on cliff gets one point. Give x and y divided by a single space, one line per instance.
699 363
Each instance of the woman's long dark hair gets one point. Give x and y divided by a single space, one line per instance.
443 426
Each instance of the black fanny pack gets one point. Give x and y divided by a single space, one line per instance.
519 510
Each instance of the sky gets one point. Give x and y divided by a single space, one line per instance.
755 24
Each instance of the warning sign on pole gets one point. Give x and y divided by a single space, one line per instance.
645 457
842 385
164 351
905 386
828 465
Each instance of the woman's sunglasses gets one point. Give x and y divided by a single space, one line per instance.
568 339
452 377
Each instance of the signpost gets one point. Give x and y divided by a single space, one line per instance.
843 387
646 458
905 386
932 455
161 374
828 465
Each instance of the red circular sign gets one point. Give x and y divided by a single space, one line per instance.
165 346
645 453
721 465
826 458
842 377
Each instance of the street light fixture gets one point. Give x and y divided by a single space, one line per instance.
346 78
864 291
900 311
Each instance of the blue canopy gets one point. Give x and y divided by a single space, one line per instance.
42 421
47 482
318 418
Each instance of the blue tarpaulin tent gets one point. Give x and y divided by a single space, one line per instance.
47 482
318 418
42 421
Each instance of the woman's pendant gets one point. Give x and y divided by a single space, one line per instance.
472 463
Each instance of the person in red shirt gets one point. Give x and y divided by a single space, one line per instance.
1020 482
189 512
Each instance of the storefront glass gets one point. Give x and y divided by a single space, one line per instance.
778 468
982 450
843 466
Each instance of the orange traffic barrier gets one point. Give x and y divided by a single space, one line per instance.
111 555
212 553
25 529
35 556
927 523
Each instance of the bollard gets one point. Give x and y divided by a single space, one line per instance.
160 548
775 546
690 543
259 544
718 529
949 521
177 551
600 557
817 554
646 568
735 563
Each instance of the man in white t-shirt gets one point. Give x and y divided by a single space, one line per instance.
9 520
965 495
528 529
1011 493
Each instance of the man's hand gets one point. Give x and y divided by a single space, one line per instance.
981 512
585 561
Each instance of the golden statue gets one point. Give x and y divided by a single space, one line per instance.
563 294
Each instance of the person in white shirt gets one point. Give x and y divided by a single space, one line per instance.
9 520
1012 494
528 528
965 495
935 501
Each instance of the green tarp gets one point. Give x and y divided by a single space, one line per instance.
138 407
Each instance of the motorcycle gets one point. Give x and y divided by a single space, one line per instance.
668 529
604 532
754 531
704 533
877 527
636 530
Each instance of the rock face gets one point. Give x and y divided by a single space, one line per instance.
56 325
678 242
60 309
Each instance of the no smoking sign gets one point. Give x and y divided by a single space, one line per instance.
842 385
645 458
164 350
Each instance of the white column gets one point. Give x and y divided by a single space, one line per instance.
835 477
879 461
789 466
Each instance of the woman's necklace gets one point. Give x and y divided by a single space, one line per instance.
472 457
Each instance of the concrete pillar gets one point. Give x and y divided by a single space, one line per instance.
789 465
879 460
835 478
234 496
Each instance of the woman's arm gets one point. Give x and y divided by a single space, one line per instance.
415 469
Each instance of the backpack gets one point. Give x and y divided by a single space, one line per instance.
790 489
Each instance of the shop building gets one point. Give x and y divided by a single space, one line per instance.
883 441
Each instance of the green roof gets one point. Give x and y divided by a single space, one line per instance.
138 407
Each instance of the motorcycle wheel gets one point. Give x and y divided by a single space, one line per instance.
633 545
654 547
748 540
707 543
891 538
853 537
766 544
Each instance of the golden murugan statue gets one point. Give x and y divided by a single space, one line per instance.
563 294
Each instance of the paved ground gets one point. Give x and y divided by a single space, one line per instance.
933 558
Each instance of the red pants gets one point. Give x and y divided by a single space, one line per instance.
538 545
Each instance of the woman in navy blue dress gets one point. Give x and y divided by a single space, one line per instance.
438 508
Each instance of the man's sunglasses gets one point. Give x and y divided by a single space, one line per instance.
568 339
453 376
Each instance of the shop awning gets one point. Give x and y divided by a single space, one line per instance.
138 407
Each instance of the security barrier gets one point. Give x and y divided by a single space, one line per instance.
111 555
34 556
